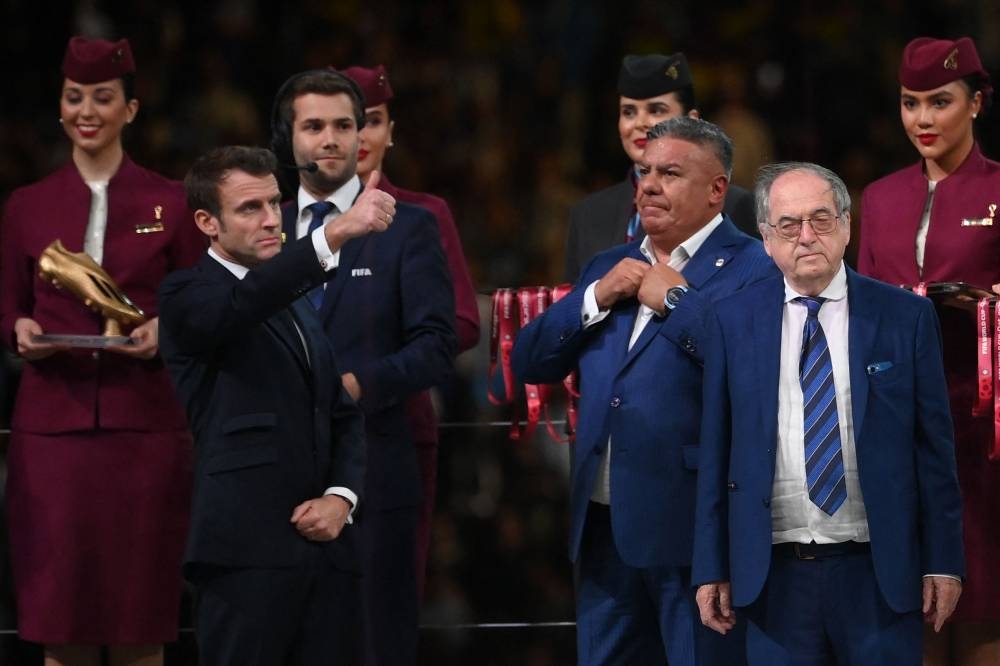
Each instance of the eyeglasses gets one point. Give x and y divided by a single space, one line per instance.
822 223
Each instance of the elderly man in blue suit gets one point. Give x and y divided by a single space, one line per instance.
828 503
633 326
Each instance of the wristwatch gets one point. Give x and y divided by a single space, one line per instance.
674 296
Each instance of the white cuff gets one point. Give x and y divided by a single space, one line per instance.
348 495
590 313
327 259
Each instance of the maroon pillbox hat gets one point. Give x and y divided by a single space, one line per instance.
930 63
374 83
97 60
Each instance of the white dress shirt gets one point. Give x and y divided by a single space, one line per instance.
925 224
794 517
97 223
343 198
240 272
591 314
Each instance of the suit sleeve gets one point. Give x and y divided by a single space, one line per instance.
200 315
686 326
940 498
427 299
547 349
347 423
710 562
866 257
17 272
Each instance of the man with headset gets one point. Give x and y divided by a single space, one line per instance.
389 313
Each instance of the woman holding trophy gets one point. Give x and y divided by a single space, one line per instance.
99 457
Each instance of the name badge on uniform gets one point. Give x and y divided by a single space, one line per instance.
152 227
981 221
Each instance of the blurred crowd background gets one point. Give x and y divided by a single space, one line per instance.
508 109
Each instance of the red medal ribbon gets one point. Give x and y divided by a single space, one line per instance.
984 375
532 302
569 384
994 453
503 328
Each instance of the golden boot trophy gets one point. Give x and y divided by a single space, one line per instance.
80 275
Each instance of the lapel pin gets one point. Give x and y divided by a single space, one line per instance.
981 221
719 262
152 227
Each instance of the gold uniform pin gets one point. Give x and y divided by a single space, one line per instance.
152 227
951 62
981 221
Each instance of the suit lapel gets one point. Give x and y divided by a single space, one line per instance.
717 251
714 253
862 327
349 254
279 324
767 322
282 326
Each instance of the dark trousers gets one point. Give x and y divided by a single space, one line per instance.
828 611
640 616
389 586
276 617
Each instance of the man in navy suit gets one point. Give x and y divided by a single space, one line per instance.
389 312
828 503
279 444
633 326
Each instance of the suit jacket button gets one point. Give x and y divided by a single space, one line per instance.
767 502
616 401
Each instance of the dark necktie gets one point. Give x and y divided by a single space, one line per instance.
319 211
823 454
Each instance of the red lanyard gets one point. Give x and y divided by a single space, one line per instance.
531 303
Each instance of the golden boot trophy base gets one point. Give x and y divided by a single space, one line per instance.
80 275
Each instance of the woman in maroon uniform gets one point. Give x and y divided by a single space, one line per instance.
933 222
100 460
375 140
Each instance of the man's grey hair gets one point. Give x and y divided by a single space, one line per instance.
699 132
769 173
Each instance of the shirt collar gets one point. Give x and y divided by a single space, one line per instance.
343 198
238 270
835 291
688 247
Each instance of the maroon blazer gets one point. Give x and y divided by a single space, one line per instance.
82 389
890 214
419 410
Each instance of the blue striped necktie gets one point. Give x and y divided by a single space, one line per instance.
319 211
824 457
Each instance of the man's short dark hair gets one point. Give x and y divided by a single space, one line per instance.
700 133
315 81
206 174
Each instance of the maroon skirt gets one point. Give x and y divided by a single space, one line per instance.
97 523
